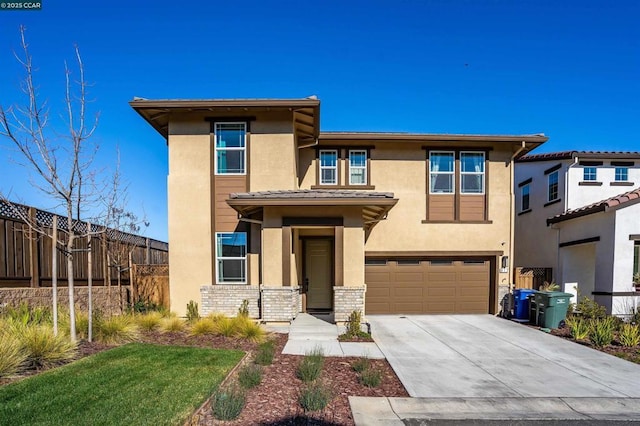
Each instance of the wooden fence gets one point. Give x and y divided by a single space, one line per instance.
532 277
151 284
26 255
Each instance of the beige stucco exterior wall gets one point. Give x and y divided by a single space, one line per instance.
190 215
272 162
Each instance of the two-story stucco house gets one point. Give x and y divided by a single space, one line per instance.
264 206
578 213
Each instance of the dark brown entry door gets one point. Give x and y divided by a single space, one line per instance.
318 270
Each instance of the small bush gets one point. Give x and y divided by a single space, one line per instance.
170 324
354 322
149 321
602 331
116 329
12 354
250 376
371 377
45 349
265 353
629 335
361 364
143 306
243 310
590 309
311 366
203 326
251 331
192 311
315 396
580 328
549 286
227 404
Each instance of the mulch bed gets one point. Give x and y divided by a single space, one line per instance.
275 400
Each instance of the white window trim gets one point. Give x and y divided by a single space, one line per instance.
218 257
549 186
484 168
363 151
615 174
215 148
528 186
452 173
584 174
321 167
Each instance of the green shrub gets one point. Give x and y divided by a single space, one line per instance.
203 326
549 286
361 364
315 396
311 365
192 311
226 326
266 352
149 321
116 329
43 348
580 328
629 335
12 354
353 323
243 310
25 315
371 377
227 404
170 324
251 331
143 306
590 309
250 376
602 331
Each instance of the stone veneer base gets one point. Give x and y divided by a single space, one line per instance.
280 303
42 296
346 300
227 299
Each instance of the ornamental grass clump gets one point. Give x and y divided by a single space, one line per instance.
172 324
311 365
361 364
203 326
315 396
602 331
116 330
250 376
226 327
149 321
629 335
371 377
12 354
227 404
265 353
251 331
43 348
580 328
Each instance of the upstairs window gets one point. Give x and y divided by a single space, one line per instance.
357 167
552 186
590 174
441 169
329 167
231 257
622 174
524 198
472 173
230 142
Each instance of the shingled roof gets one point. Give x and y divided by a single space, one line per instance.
619 201
567 155
307 193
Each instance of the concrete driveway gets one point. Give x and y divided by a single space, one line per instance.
487 368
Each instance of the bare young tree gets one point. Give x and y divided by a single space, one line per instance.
60 158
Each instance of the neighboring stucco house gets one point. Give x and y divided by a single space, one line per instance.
263 206
577 212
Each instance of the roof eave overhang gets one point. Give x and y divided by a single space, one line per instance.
595 209
417 137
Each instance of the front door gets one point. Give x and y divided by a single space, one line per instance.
319 272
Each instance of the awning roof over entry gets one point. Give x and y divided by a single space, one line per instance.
375 205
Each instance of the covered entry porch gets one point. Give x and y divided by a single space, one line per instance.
312 248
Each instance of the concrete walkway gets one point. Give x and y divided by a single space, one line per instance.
307 333
482 367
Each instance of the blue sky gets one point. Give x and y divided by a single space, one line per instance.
570 69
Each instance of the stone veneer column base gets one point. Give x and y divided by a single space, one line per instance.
227 299
347 300
280 303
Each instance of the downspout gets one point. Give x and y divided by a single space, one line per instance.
576 160
512 224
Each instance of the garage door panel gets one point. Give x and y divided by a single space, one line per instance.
431 286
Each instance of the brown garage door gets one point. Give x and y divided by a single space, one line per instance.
436 286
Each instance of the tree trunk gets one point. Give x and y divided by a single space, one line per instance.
54 272
90 283
70 272
120 287
109 283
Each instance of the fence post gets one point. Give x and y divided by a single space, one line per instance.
34 261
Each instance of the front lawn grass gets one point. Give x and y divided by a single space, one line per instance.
134 384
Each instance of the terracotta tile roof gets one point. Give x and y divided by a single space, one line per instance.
566 155
307 193
619 201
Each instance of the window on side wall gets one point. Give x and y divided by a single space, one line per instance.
329 167
357 167
552 186
622 174
524 197
472 173
231 257
589 174
441 172
230 143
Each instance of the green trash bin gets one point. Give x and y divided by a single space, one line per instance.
551 308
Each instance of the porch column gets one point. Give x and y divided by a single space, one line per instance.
339 256
349 294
